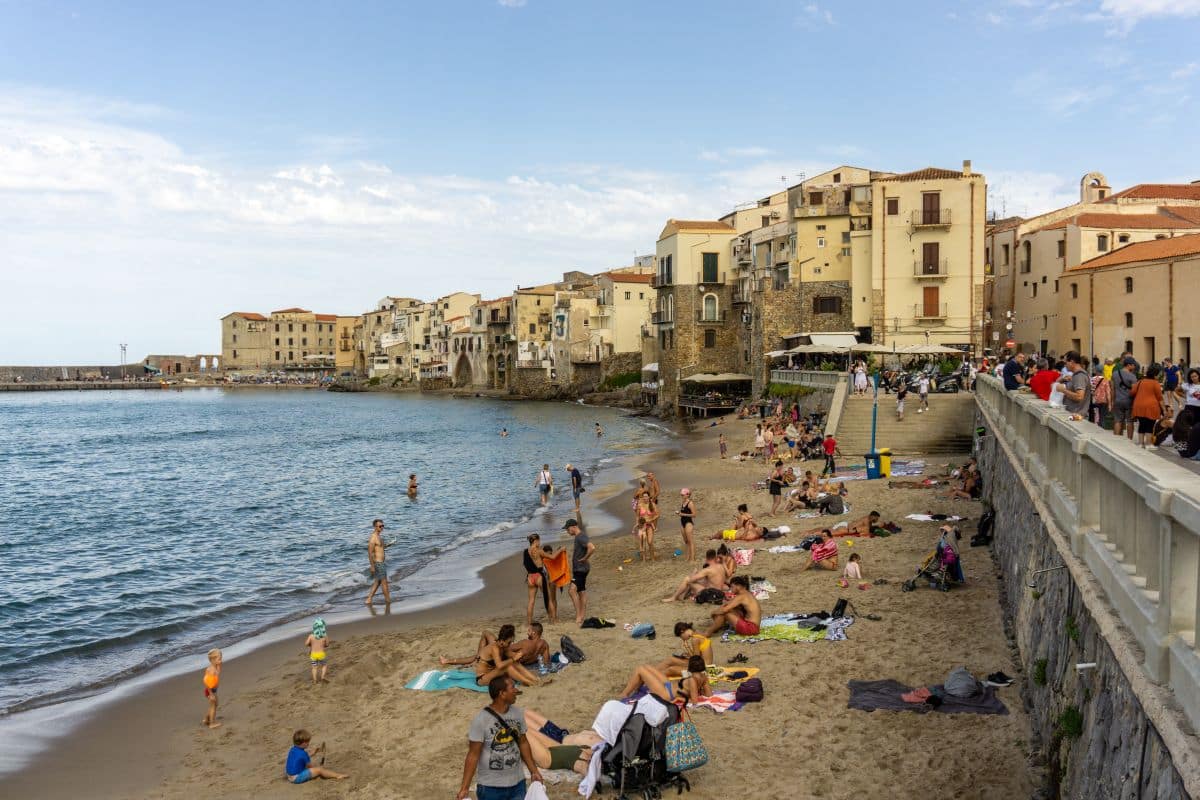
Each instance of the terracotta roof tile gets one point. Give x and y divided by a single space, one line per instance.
1154 250
927 174
1159 191
292 311
628 277
1006 224
1124 222
695 226
248 315
326 317
1190 213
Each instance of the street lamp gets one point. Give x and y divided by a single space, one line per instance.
123 348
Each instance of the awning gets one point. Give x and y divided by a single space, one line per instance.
651 367
721 377
777 353
833 339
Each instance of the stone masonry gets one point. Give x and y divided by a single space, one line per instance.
686 351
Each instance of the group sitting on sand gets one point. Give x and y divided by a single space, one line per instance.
497 655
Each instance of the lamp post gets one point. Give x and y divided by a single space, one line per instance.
123 348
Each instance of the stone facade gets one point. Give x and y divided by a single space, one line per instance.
686 351
619 363
1118 753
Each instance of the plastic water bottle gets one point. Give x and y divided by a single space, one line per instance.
541 665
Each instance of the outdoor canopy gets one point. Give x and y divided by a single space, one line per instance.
651 367
721 377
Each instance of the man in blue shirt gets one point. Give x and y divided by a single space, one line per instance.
1170 381
1014 372
299 767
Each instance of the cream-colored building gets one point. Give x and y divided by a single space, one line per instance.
293 339
623 307
1139 298
245 341
345 357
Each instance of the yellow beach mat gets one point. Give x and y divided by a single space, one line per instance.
716 673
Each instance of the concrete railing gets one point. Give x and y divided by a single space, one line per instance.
1132 517
816 378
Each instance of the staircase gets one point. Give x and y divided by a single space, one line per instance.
944 429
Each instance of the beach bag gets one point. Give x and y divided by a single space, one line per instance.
643 630
571 650
714 596
839 608
749 691
684 749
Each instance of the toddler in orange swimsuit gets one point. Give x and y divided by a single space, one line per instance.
212 679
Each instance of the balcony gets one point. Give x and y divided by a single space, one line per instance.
860 223
711 319
712 279
931 270
931 218
740 296
929 311
658 281
658 317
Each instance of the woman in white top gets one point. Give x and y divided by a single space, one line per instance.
860 380
1189 390
545 484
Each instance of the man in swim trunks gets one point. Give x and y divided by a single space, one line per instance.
581 556
710 576
742 613
527 650
576 484
378 560
653 487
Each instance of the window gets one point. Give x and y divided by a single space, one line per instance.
235 338
1123 238
304 328
893 206
709 269
1056 287
1005 252
291 341
641 296
532 328
820 227
816 198
304 341
445 306
1045 319
276 355
1102 243
235 353
1073 325
710 308
1128 346
291 356
1034 290
820 241
629 295
378 320
766 220
710 337
277 341
827 305
987 255
277 331
671 308
1074 291
1128 286
837 177
1062 248
1043 279
846 251
290 327
1129 324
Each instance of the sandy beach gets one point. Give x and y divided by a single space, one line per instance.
802 741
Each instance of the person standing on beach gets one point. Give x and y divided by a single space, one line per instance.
377 557
497 747
723 445
576 484
687 521
545 484
212 679
580 566
536 579
653 487
317 642
831 449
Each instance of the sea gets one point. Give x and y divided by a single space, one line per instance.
139 527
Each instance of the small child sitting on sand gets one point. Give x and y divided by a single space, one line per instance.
212 679
853 572
298 767
316 643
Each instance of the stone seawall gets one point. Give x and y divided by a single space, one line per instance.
1095 730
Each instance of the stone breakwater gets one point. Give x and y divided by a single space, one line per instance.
1097 730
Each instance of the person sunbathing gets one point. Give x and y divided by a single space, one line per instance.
693 685
710 576
742 613
824 553
573 752
804 497
492 660
693 645
527 650
968 489
745 529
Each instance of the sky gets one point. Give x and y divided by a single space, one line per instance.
163 164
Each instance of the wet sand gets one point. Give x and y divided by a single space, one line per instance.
802 741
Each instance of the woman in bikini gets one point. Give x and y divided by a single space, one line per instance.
491 660
687 518
693 645
535 580
692 686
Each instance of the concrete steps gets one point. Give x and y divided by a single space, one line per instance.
944 429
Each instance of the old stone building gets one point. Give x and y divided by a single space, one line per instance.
292 339
245 341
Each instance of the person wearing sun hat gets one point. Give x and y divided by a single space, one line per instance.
316 643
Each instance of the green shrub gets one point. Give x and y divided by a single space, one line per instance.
1036 594
1072 630
620 380
1070 723
373 381
790 391
1039 672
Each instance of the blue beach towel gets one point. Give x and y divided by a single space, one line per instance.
436 680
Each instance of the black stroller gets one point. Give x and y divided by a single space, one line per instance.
637 763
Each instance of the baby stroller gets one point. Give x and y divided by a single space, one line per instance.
941 568
636 763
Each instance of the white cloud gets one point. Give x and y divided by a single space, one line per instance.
992 18
1122 16
1057 98
1186 71
1026 193
511 3
814 16
723 154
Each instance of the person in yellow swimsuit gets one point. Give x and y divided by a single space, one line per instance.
316 643
693 645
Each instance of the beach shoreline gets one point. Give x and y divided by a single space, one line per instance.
400 743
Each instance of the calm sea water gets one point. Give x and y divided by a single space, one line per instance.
139 526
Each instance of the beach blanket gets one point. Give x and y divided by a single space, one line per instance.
872 695
785 548
436 680
743 557
931 518
719 702
781 628
559 569
716 673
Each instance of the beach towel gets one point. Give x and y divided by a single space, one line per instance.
719 702
781 628
785 548
886 695
744 673
559 569
436 680
743 557
932 518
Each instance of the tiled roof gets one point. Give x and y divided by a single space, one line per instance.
1190 213
1006 224
695 226
327 317
927 174
1154 250
1123 222
460 316
1159 191
248 315
292 311
628 277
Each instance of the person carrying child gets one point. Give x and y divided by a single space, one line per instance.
316 643
298 768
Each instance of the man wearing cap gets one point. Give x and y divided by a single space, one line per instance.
580 567
1121 404
576 484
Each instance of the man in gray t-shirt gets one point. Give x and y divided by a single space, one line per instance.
1076 387
498 747
581 555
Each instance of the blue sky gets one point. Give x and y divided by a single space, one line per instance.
163 164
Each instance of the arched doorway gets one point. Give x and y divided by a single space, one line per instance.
462 371
491 372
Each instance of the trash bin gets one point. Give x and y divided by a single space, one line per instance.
885 462
872 466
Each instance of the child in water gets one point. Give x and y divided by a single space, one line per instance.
212 679
316 643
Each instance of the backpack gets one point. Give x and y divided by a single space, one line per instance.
749 691
714 596
1101 391
571 650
